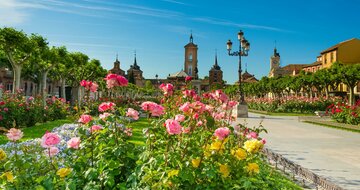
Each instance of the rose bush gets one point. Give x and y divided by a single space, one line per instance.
291 104
19 111
343 113
190 144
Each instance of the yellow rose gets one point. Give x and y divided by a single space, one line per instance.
63 172
2 155
9 176
253 145
224 170
195 162
173 173
252 168
240 154
217 145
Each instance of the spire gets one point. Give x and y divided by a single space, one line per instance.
191 37
135 63
216 62
245 67
117 57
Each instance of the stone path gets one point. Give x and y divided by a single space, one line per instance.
331 153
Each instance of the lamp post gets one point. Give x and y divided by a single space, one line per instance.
244 47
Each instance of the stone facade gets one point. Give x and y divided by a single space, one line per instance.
216 75
191 61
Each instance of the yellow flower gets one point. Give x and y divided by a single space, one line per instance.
173 173
253 145
63 172
224 170
253 168
240 154
2 155
217 145
195 162
9 176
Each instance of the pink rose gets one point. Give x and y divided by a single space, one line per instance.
51 151
105 106
180 118
157 110
122 80
6 109
199 123
153 108
14 134
222 133
218 116
132 113
93 87
189 93
85 119
263 141
168 89
95 128
83 83
104 116
252 135
49 140
220 96
74 143
173 127
185 107
188 78
113 80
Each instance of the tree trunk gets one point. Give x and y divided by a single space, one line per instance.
351 98
44 87
63 83
326 92
17 78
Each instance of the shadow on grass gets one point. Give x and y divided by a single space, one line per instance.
38 130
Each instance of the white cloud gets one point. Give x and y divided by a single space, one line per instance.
233 24
10 13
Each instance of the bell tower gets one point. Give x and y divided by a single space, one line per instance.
190 64
275 60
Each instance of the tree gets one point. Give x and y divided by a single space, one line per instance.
350 75
18 48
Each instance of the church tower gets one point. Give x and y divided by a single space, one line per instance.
215 75
275 60
190 64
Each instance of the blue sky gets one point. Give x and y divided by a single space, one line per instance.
159 29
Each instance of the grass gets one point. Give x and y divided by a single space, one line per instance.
280 113
138 136
38 130
333 126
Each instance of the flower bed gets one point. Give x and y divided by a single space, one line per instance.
190 144
291 104
19 111
343 113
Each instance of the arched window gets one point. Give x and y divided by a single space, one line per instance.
190 70
190 57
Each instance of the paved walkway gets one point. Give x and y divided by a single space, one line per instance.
331 153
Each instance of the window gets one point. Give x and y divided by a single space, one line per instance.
190 57
9 86
331 57
325 60
190 70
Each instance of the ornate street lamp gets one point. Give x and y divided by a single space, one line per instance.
244 47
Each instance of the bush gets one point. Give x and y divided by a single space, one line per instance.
18 111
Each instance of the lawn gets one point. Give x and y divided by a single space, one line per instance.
38 130
138 136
